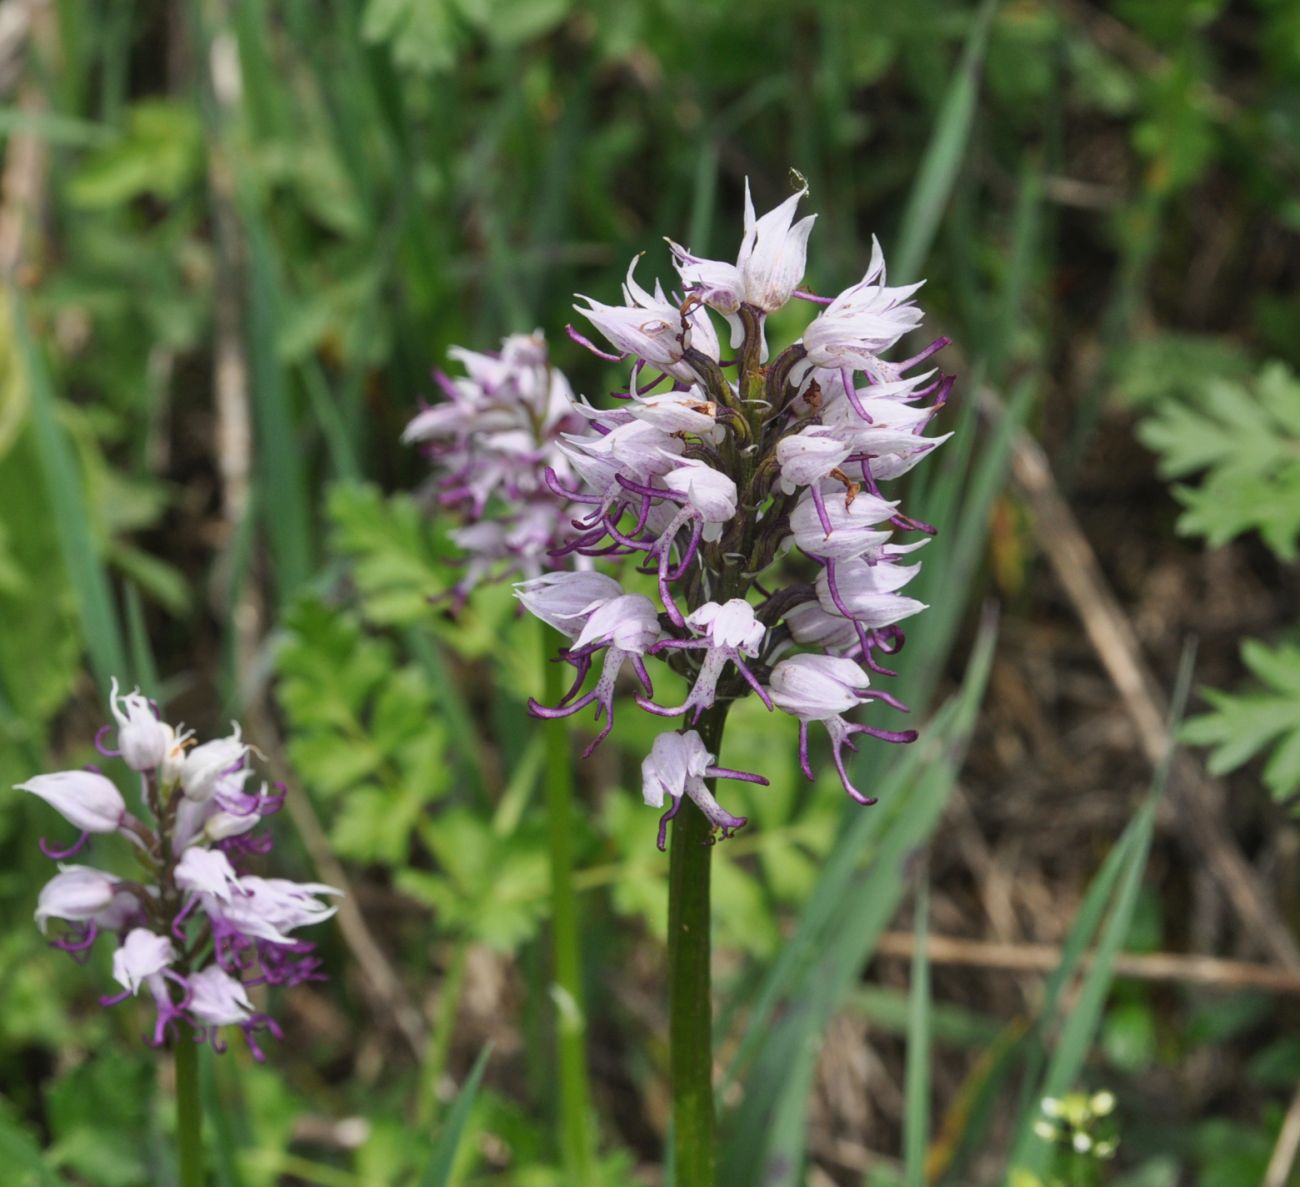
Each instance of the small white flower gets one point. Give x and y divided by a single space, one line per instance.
868 593
629 623
206 871
679 412
773 254
1102 1103
270 908
651 327
217 999
810 455
143 954
730 626
852 523
863 322
811 626
677 766
708 491
205 765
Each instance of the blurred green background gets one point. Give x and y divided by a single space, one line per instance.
237 236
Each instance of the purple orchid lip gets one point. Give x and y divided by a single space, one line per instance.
62 854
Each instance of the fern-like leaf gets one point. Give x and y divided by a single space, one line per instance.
1244 724
1245 438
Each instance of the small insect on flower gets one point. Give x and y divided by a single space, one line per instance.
194 928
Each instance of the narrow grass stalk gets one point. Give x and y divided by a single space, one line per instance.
189 1137
575 1119
435 1059
690 1003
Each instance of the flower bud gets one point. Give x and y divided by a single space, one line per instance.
141 737
75 894
84 798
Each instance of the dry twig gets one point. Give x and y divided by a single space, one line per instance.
1108 628
1288 1145
1209 971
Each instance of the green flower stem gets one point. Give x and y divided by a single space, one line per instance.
189 1137
690 1002
576 1130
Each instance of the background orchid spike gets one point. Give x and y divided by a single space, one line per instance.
195 929
751 492
495 443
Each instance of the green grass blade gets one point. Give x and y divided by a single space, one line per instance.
889 1011
143 669
72 527
281 473
916 1116
834 938
1080 1027
437 1173
945 152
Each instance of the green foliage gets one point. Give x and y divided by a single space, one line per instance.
160 154
438 1171
398 175
487 885
1246 439
97 1109
363 732
395 562
1266 717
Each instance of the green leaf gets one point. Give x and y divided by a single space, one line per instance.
395 563
364 730
97 1109
1245 437
64 490
443 1157
1129 1036
946 150
490 887
1242 725
160 154
916 1113
421 34
21 1154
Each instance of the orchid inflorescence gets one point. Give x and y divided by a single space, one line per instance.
193 928
491 440
749 488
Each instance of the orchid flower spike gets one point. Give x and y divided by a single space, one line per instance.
199 929
724 513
